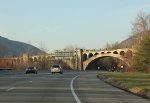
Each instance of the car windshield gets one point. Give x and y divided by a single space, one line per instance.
30 67
55 66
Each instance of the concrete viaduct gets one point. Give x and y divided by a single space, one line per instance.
81 57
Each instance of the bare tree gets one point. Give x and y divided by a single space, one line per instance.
28 49
115 45
69 48
141 25
27 54
43 63
43 48
108 46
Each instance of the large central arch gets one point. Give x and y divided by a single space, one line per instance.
88 61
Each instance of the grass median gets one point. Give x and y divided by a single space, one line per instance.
135 82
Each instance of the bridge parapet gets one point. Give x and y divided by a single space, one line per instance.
105 51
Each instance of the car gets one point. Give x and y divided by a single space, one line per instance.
31 69
56 69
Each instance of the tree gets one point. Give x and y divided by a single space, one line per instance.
141 25
43 62
142 58
108 46
115 45
141 28
69 48
27 60
43 48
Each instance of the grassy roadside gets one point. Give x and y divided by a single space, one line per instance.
135 82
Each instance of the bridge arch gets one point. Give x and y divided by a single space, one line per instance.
102 52
90 55
122 53
108 52
88 61
115 52
96 53
85 57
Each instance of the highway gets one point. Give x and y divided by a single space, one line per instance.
69 87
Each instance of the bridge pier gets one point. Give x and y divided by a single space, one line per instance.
79 59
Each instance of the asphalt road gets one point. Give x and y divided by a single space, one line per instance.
70 87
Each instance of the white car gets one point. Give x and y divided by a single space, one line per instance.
56 69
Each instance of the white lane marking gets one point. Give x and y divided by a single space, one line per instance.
10 89
73 92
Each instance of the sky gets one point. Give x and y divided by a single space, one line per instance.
89 24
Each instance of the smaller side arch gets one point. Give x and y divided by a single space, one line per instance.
96 53
108 52
90 55
115 52
102 52
84 56
122 53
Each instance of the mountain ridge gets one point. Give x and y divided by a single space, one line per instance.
16 48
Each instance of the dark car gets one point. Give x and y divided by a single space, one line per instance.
31 69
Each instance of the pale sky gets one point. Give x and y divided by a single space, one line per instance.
60 23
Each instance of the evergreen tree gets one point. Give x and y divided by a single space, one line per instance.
142 57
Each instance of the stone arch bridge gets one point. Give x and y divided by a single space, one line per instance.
80 60
85 57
